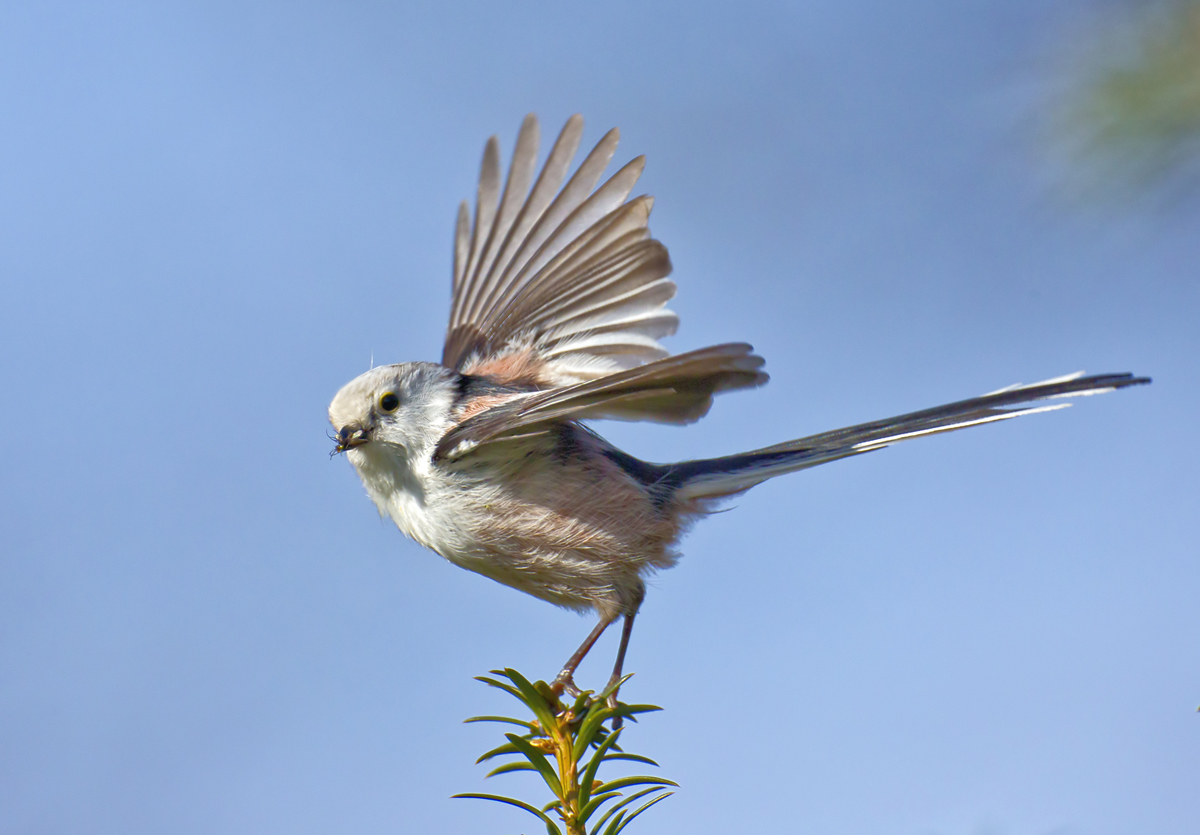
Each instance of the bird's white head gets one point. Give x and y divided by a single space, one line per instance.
395 410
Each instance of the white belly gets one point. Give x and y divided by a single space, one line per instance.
510 525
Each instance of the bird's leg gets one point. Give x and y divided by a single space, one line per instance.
626 631
564 682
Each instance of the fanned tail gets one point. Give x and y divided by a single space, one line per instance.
717 477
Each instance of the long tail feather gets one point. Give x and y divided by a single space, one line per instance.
715 477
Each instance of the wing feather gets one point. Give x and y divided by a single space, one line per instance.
579 267
573 193
604 200
462 244
553 173
565 287
485 203
520 175
629 279
677 390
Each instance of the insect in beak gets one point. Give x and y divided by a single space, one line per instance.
350 436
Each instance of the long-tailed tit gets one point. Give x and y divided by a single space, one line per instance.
558 305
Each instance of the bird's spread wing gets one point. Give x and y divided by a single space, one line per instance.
677 389
557 287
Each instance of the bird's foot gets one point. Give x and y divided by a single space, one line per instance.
564 682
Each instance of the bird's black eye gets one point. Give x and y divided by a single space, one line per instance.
389 402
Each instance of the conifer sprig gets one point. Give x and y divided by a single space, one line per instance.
565 744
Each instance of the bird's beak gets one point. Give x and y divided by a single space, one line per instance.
351 436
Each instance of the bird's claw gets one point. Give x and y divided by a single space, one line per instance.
564 682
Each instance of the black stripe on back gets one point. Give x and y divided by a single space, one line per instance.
470 387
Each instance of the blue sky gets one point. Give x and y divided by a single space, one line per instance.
214 214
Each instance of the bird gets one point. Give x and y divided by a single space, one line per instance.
559 300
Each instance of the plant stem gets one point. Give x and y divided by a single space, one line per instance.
568 772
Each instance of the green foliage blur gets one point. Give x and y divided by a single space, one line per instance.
1132 118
